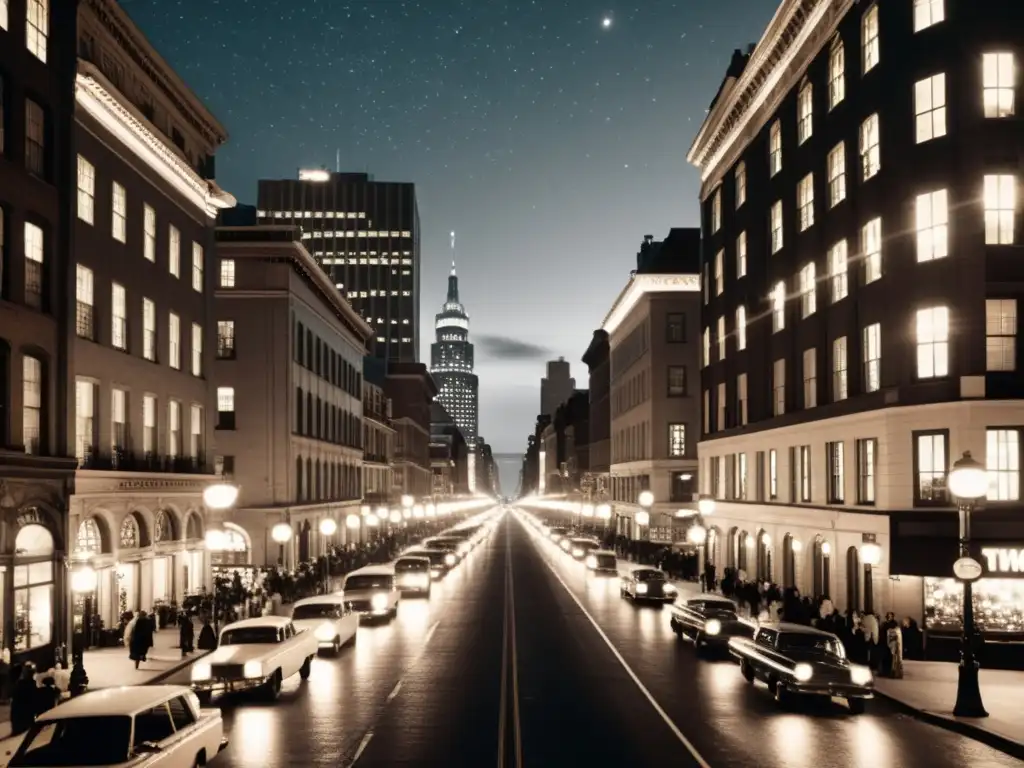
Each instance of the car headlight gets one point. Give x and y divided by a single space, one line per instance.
712 627
860 675
449 559
641 589
577 552
803 672
565 544
379 602
253 669
325 633
591 561
201 672
464 549
668 589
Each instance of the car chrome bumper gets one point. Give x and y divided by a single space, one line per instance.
228 686
839 690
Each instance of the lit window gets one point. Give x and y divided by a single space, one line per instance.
837 269
741 398
1000 208
148 424
721 403
1001 334
928 12
932 342
840 389
32 404
741 184
930 107
805 113
5 18
805 201
808 295
225 407
227 273
741 255
119 209
741 327
774 149
225 339
677 440
118 317
719 272
716 210
174 251
779 388
707 347
174 341
871 247
776 225
35 256
149 232
837 174
870 153
869 38
721 338
84 325
1002 461
810 371
148 329
836 74
37 27
779 307
872 350
197 350
998 83
932 467
197 267
86 190
932 224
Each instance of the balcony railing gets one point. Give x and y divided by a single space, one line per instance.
127 461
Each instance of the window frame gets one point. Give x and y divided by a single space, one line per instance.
997 110
936 346
870 147
836 164
930 118
840 369
867 471
805 202
915 437
681 391
933 206
1014 321
994 473
871 52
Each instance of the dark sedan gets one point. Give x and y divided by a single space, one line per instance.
647 584
709 621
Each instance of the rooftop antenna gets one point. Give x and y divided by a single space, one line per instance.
452 233
337 160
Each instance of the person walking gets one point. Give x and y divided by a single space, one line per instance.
24 700
141 639
186 634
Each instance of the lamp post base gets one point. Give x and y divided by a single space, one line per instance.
79 681
968 691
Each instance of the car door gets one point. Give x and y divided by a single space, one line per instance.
153 733
348 623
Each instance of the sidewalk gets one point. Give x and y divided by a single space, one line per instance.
929 689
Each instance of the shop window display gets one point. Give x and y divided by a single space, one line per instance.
998 605
33 588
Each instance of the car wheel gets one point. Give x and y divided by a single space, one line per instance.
200 760
857 706
306 668
273 687
676 627
747 671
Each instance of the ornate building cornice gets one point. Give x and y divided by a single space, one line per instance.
640 285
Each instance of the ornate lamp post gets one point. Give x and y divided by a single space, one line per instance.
218 497
83 582
643 517
328 527
282 534
968 481
870 556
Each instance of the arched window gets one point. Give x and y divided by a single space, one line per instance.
194 527
822 567
304 541
300 490
743 552
318 492
714 546
161 527
764 556
88 541
310 488
33 587
733 543
235 550
853 571
129 533
300 419
33 541
788 562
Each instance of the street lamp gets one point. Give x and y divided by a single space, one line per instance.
220 495
646 501
968 481
697 535
282 534
395 517
328 527
352 522
407 501
417 511
83 582
706 504
870 556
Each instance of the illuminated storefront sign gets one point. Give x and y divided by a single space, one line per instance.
1003 560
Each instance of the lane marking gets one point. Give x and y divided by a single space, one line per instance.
430 632
622 662
362 747
518 732
502 707
394 692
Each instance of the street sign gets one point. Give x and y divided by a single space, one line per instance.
967 569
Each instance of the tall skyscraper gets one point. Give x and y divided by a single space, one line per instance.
366 236
451 362
556 387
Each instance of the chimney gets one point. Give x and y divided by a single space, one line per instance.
648 239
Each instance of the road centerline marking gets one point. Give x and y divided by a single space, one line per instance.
394 692
362 746
502 706
514 672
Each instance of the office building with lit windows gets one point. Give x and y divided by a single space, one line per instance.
652 328
366 235
451 365
289 427
860 171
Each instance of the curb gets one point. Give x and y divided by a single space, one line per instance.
994 740
158 678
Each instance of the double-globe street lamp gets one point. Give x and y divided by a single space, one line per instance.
83 582
697 534
643 517
218 497
328 527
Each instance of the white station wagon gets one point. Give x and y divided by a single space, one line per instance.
330 620
132 726
373 592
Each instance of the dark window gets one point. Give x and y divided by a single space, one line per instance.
675 327
836 456
154 725
867 451
72 741
676 380
3 114
931 464
5 288
35 138
300 343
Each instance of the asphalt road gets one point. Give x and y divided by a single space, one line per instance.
502 666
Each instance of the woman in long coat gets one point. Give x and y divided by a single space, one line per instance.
141 639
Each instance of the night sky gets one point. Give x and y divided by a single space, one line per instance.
550 135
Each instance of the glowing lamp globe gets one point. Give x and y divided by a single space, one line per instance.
587 510
372 520
431 510
83 579
352 522
870 554
220 495
826 548
364 510
795 545
417 511
645 499
706 505
407 500
407 513
697 534
604 511
642 518
281 533
395 516
382 513
766 539
968 478
328 527
216 539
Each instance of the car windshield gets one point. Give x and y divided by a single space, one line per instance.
447 543
369 581
436 556
72 742
722 611
412 564
606 561
250 636
584 544
808 644
316 611
650 576
559 531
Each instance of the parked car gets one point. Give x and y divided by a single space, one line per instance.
797 660
373 592
141 726
255 654
647 584
440 561
602 561
329 618
709 621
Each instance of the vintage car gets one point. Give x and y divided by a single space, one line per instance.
414 575
456 544
602 561
440 561
797 660
557 534
579 548
709 621
141 726
254 654
329 618
373 592
647 584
